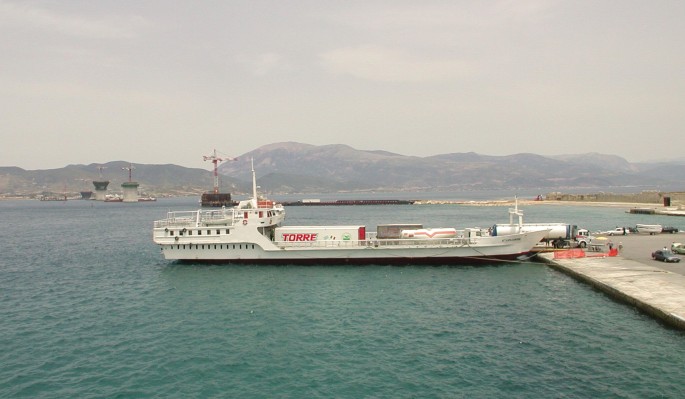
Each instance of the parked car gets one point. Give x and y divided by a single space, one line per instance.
619 231
678 248
668 229
665 255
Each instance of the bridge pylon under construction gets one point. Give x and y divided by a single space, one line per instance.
100 189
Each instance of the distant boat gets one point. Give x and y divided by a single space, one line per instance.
53 198
113 198
649 228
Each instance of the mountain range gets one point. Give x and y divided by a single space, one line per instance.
291 167
297 167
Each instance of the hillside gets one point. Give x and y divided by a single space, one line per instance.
303 168
170 179
306 168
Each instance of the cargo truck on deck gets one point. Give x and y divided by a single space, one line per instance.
558 234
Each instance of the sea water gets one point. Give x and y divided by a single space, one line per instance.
90 309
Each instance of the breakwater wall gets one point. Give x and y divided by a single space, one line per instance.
644 197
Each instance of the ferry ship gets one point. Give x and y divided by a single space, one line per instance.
253 232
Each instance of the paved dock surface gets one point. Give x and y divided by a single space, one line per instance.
656 288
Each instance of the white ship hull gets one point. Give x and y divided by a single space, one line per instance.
255 235
444 251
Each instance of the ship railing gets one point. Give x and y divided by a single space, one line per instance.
178 218
409 242
217 217
197 218
376 243
320 244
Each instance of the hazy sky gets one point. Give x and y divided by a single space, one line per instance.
168 81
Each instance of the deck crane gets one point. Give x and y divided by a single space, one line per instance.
216 160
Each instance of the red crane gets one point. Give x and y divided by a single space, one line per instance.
130 169
215 160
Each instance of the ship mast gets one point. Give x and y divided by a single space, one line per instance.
254 182
215 160
516 212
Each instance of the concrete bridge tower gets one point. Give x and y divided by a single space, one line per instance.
130 188
100 186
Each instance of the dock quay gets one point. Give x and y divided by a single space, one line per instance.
632 277
317 202
658 211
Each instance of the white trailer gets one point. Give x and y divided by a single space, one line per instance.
305 234
556 231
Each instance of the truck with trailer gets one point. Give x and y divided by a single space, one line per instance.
560 235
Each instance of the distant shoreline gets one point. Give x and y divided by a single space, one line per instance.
541 202
657 208
502 202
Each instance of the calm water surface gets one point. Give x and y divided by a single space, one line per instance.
90 309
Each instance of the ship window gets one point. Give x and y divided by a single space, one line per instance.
171 233
233 246
218 231
190 232
261 214
252 246
209 232
199 232
227 231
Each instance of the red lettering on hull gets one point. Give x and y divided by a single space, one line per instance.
299 236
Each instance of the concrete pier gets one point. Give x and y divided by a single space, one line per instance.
654 287
130 190
100 189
